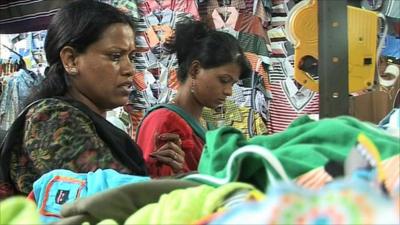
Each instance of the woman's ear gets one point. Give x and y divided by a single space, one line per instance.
68 59
194 69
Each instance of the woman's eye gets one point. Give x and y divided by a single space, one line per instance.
115 56
224 80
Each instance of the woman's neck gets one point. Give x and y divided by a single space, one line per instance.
74 94
189 103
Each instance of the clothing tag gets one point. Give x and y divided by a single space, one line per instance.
62 196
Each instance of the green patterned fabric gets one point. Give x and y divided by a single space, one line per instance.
58 136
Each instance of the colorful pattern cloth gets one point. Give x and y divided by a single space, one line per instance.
50 132
58 187
342 202
58 135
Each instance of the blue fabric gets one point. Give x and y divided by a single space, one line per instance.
392 47
17 90
58 187
391 120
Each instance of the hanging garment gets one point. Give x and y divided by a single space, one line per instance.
168 118
150 91
154 28
119 203
289 103
242 22
259 8
58 187
254 44
391 47
390 9
43 131
19 16
311 141
17 90
243 6
290 99
280 69
279 14
259 64
153 79
127 6
208 7
148 6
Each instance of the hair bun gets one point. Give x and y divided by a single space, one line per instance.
187 35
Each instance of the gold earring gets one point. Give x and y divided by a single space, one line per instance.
73 71
192 88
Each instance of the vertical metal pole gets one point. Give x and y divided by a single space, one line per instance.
333 58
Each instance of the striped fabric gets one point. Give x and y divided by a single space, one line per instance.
314 179
244 6
391 8
254 44
18 16
128 6
284 109
317 178
279 15
208 7
254 60
278 69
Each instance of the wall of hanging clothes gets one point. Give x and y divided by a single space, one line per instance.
22 69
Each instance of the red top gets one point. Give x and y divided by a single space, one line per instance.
166 121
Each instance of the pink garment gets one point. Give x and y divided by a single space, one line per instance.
231 17
187 6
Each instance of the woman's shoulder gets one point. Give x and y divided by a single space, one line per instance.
49 107
164 114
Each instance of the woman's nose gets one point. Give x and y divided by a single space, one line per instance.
128 67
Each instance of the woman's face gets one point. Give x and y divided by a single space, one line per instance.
213 85
106 68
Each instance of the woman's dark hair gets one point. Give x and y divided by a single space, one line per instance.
78 24
194 41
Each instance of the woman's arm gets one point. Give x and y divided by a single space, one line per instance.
149 138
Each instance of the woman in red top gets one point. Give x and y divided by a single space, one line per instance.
210 62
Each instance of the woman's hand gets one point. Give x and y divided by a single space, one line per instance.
170 153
